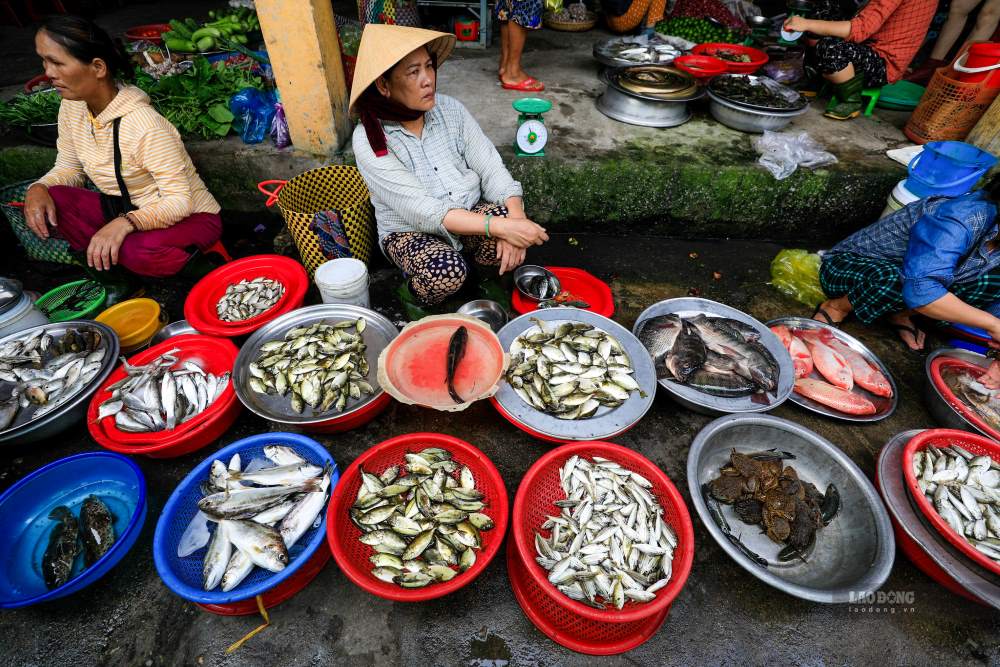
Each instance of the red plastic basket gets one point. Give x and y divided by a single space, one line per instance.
217 356
942 437
150 32
942 363
701 67
199 307
540 488
280 593
757 57
353 557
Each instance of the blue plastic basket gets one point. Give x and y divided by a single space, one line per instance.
184 575
25 523
947 168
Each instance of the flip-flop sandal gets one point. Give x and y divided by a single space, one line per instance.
529 85
826 316
913 331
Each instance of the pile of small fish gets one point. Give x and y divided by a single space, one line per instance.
841 366
570 369
714 355
46 371
767 493
421 520
638 50
96 529
161 395
540 287
248 298
610 543
260 513
965 490
974 394
321 365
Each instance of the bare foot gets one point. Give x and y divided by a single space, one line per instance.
833 311
907 330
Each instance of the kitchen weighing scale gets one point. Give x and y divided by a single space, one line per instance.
532 135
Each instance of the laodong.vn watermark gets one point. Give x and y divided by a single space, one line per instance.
882 602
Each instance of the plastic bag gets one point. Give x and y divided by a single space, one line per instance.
795 273
254 111
787 67
782 153
279 128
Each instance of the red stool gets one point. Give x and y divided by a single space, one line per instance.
219 250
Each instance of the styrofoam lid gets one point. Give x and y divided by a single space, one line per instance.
903 194
341 271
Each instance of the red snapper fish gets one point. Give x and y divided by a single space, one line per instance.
834 397
866 376
830 363
802 361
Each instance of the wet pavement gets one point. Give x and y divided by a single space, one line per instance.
722 616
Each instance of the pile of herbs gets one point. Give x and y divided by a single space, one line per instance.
23 111
197 101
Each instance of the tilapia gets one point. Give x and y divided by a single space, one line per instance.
658 334
249 298
834 397
753 360
687 354
802 360
63 548
830 363
865 375
97 529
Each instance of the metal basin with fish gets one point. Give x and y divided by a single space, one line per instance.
606 422
945 407
25 429
853 555
884 406
709 404
536 282
376 335
923 544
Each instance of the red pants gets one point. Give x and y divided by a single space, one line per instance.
157 253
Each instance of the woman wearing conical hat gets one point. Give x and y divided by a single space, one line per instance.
439 187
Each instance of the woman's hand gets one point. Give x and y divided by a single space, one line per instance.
519 232
102 253
796 24
510 256
39 210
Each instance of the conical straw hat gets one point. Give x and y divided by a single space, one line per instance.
382 46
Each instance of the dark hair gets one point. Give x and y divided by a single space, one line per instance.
87 41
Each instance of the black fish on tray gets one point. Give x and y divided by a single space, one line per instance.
714 355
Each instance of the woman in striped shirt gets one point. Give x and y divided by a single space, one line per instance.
152 210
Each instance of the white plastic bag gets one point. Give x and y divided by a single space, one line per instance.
782 153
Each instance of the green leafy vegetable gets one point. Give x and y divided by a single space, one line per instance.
27 110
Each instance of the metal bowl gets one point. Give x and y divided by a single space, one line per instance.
749 120
75 408
176 328
975 580
526 272
377 334
488 311
884 406
853 555
717 405
606 422
633 110
938 404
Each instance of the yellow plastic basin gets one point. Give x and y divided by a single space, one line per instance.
135 321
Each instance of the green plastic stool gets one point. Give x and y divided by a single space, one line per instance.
871 93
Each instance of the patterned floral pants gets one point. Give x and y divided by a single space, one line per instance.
435 269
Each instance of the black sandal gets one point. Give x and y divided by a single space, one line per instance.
826 316
913 331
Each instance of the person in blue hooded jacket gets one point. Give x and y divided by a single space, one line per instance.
939 257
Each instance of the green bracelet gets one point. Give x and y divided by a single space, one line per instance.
489 216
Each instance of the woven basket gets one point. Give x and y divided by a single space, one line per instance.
46 250
570 26
949 109
337 187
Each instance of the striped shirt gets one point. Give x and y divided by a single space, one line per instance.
452 165
161 180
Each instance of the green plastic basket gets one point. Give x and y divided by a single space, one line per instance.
78 300
47 250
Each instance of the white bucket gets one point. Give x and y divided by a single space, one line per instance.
898 198
343 280
22 316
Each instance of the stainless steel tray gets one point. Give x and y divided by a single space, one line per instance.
606 422
717 405
853 555
884 406
978 582
73 409
377 334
